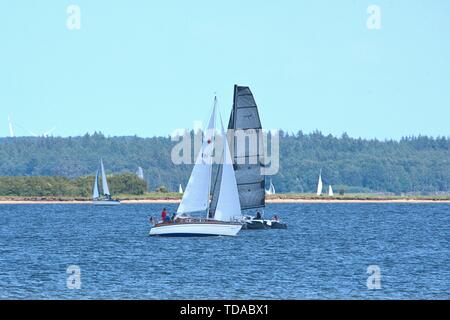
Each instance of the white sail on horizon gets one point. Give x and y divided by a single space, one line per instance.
319 184
95 192
140 173
196 194
330 191
180 189
271 189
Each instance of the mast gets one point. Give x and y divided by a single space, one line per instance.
212 148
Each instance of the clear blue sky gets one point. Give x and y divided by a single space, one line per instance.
149 67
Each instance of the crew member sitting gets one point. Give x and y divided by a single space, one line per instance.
164 215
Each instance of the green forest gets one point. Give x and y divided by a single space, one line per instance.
40 186
419 165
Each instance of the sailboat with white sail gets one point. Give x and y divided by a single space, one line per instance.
180 189
330 191
319 184
105 199
225 221
271 189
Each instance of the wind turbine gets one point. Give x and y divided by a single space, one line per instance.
45 134
11 131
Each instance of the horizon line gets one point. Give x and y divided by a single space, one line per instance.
289 133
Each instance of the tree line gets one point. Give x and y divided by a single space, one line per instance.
412 164
41 186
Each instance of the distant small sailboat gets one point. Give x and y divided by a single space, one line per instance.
225 221
271 189
106 199
180 189
319 184
330 191
140 173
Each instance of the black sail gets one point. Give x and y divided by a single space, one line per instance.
247 162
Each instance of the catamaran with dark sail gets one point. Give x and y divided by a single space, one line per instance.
248 164
105 199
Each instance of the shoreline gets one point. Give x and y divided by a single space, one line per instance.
268 201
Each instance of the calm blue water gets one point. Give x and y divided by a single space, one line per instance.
324 254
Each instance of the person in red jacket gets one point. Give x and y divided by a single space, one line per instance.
164 215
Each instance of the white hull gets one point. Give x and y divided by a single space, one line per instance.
196 229
106 202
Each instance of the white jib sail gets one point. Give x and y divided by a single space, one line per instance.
228 204
330 191
196 194
180 189
319 185
95 193
104 182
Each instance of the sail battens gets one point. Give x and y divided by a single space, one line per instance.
250 181
245 107
258 184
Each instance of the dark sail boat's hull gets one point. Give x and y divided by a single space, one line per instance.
276 224
255 225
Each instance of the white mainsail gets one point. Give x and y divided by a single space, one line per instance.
104 182
319 184
330 191
228 205
95 192
180 189
196 194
